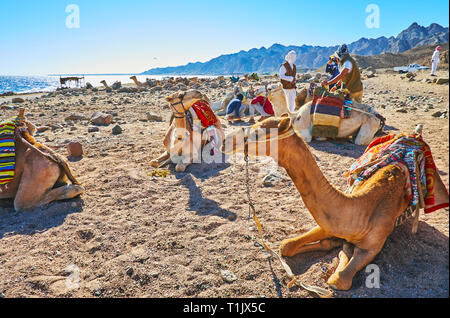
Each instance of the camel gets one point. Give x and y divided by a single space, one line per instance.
104 84
138 84
360 221
363 124
184 149
41 175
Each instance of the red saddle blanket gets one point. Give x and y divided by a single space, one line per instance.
204 113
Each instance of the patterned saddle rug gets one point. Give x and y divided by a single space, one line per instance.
409 151
7 150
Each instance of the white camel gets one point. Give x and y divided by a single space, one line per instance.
363 123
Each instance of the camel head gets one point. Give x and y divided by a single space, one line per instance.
133 78
257 140
180 102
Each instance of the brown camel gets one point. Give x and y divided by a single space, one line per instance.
41 175
138 83
181 146
104 84
360 221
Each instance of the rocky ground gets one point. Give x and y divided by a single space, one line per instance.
188 234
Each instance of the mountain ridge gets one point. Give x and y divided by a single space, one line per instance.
267 60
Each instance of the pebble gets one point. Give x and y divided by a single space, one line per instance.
228 276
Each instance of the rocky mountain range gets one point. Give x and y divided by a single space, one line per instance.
267 60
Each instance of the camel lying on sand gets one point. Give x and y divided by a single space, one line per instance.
363 125
181 146
41 175
360 222
138 84
104 84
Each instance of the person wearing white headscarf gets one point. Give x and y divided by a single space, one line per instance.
435 61
288 74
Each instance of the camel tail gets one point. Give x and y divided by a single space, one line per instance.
48 153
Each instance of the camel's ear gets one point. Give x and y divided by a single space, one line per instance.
284 125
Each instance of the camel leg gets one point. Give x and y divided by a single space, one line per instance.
365 134
323 245
156 162
289 247
66 192
342 279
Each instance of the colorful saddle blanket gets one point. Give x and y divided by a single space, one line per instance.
325 113
404 150
204 113
7 150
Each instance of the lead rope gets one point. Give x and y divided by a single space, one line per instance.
321 292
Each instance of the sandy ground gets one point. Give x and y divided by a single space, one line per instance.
134 235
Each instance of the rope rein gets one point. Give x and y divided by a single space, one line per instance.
321 292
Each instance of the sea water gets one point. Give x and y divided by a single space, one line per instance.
34 84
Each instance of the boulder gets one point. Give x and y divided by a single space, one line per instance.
442 80
153 117
75 117
117 130
18 100
99 118
74 149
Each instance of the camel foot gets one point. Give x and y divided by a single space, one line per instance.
288 247
154 163
339 283
180 167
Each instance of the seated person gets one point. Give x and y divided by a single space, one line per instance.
263 106
235 109
332 68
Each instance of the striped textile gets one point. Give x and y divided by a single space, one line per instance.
7 150
325 114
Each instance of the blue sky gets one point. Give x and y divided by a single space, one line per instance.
135 35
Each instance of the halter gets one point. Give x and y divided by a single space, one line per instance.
177 114
290 132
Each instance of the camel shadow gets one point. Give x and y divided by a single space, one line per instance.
203 206
38 220
202 170
405 262
342 147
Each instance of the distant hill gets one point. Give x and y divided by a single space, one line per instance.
420 55
267 60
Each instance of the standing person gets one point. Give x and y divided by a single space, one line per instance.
235 109
288 75
435 60
349 74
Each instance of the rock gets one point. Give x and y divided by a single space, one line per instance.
17 100
154 117
116 85
270 180
402 110
117 130
129 271
99 118
410 75
442 80
89 85
42 128
437 114
228 276
74 149
92 129
75 117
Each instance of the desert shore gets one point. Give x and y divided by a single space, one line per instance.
188 234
